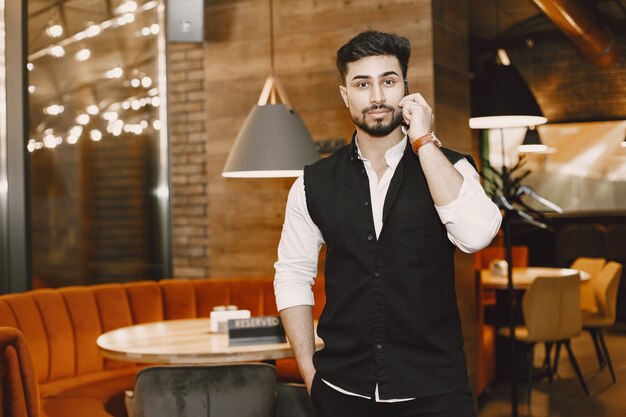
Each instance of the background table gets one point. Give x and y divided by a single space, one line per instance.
185 342
523 277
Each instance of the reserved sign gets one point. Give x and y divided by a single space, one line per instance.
256 330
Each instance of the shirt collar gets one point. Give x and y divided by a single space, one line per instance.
393 154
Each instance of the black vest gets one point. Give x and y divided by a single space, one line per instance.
391 315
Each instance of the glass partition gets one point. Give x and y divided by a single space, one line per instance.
97 137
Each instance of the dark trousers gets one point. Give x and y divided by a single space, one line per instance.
329 402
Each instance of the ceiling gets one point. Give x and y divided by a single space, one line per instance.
513 21
131 47
125 44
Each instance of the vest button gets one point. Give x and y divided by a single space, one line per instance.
376 274
379 346
370 237
366 203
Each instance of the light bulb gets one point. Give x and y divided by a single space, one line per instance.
95 135
83 54
54 31
92 30
116 72
57 51
82 119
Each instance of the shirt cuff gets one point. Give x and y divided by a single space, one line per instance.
294 297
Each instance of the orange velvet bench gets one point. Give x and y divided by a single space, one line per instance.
61 327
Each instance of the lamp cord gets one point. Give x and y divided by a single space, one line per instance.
272 35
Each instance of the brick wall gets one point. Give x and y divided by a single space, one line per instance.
570 88
188 158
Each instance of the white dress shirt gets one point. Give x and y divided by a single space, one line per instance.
471 221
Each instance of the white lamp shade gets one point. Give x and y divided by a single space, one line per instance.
273 142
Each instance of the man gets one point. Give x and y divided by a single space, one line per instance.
391 206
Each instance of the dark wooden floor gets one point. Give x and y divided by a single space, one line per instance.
565 397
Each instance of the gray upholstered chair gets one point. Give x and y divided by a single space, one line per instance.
244 390
292 400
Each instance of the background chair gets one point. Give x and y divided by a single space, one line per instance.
244 390
19 396
592 266
605 286
552 314
292 400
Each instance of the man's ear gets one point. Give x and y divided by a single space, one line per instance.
344 94
406 87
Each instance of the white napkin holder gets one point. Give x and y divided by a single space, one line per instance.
219 319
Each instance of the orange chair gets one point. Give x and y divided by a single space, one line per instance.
19 396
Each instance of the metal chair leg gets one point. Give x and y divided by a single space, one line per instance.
596 343
547 366
606 353
555 366
531 363
572 359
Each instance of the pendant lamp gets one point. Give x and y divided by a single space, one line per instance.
532 143
501 98
273 141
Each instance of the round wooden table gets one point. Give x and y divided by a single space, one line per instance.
523 277
184 342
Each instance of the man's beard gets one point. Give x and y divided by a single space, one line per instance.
379 129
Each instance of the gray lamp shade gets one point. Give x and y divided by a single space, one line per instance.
273 142
501 98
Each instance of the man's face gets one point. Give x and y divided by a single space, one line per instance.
374 87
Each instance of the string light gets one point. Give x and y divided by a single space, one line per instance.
54 31
135 82
116 72
126 7
146 82
92 30
30 66
54 109
127 13
74 134
126 19
95 135
57 51
31 89
110 116
83 54
93 109
82 119
156 124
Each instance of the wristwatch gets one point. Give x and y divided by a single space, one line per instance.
429 137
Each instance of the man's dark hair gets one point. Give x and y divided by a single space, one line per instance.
373 43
